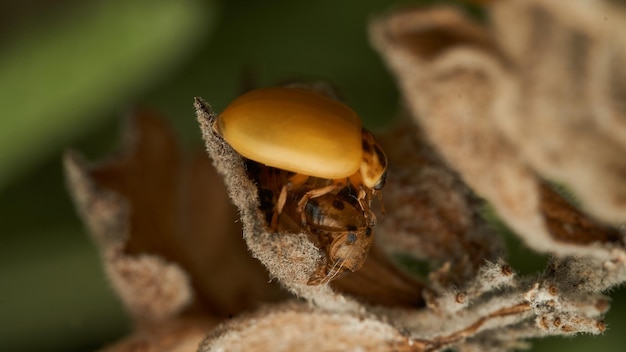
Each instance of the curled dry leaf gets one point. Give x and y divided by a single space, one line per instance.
475 100
297 326
565 112
168 236
431 214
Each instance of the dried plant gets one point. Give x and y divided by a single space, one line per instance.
500 111
168 237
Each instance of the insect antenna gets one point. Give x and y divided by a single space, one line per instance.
332 273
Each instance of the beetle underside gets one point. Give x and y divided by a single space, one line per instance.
333 219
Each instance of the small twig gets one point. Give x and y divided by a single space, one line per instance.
434 345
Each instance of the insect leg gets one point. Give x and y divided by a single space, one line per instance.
294 181
314 193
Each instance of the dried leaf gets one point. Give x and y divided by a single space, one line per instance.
381 282
431 214
169 237
457 90
565 112
296 326
178 335
150 287
460 83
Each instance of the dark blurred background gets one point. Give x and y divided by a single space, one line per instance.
69 71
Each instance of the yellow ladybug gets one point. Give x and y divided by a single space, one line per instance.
309 135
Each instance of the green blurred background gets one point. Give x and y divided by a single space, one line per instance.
68 72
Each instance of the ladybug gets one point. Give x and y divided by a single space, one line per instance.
308 135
